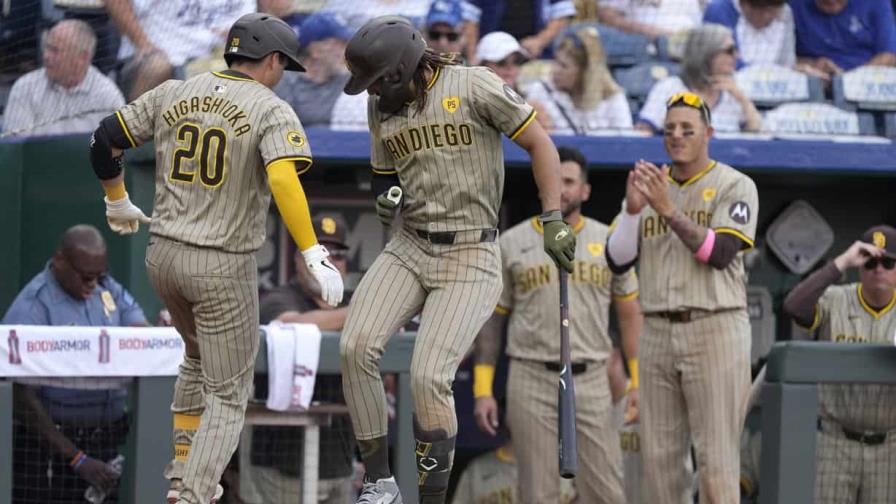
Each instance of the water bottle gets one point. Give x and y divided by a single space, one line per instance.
96 495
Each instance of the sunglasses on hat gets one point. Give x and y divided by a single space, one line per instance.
436 35
691 100
887 262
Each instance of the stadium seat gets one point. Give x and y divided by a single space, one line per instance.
639 79
622 49
762 322
772 85
866 88
890 125
818 119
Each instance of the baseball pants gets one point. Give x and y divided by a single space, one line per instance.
454 288
695 381
213 299
532 419
850 472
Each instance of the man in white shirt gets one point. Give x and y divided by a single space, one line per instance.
763 29
652 18
67 95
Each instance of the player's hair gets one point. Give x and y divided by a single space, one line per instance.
238 59
595 80
703 43
431 60
576 156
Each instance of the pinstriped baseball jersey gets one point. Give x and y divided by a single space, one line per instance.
720 198
214 135
531 291
445 156
842 315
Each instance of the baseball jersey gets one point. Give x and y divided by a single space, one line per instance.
532 293
214 135
449 157
492 479
720 198
841 315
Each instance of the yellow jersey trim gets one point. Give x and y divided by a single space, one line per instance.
575 229
738 234
627 297
301 169
874 313
435 77
523 126
504 455
500 310
380 171
233 77
124 127
698 176
186 422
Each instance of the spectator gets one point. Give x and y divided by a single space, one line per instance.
833 36
322 38
160 37
67 428
763 29
707 69
67 95
653 19
534 23
582 98
273 474
503 54
444 26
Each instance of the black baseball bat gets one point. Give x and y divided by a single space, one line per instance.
566 393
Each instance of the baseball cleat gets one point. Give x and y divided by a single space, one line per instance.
174 494
381 491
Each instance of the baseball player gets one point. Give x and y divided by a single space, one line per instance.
855 442
436 136
528 309
686 226
224 143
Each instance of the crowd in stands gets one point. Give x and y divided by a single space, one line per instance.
590 67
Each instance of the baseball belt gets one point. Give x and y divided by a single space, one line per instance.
866 438
456 237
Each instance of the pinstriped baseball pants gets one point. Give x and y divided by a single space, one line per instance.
454 288
213 300
695 381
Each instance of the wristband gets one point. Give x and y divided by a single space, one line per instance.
705 250
483 378
633 373
77 460
115 193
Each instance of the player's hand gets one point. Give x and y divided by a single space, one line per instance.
325 273
654 185
387 205
123 216
97 473
559 240
634 199
856 255
486 413
631 408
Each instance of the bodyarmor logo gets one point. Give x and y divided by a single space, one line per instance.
15 357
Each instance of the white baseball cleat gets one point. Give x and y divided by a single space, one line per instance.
174 494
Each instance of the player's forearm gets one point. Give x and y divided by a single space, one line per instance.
545 164
290 199
801 302
631 320
691 234
26 401
325 320
487 350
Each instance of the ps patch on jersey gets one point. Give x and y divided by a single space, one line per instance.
295 138
451 104
513 95
596 249
739 212
708 194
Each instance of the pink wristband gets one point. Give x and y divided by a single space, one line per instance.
705 250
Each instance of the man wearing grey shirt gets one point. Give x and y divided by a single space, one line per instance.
67 95
322 38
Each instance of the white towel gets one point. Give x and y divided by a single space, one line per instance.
293 355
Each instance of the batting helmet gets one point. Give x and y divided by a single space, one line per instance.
256 35
387 47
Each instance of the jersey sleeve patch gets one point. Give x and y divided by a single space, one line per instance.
739 212
295 138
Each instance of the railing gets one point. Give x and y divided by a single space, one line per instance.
151 430
790 408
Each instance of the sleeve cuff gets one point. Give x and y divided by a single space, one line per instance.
747 242
519 130
627 297
501 310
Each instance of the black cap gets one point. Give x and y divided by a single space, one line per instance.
385 44
330 229
882 236
256 35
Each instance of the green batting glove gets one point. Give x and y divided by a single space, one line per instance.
559 240
387 205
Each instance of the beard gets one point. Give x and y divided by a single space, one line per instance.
570 207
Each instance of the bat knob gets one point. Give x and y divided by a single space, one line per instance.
394 195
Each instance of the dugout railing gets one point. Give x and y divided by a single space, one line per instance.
790 408
150 438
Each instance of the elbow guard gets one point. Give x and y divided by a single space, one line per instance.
109 134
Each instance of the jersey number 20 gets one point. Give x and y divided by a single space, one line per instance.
211 146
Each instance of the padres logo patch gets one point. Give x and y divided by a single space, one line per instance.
295 138
328 225
451 104
739 212
709 193
879 239
596 249
513 95
235 44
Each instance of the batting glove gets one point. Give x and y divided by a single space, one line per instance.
387 205
559 240
325 273
123 216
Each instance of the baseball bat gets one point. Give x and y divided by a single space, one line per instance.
566 393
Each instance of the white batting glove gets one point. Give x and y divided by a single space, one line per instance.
325 273
123 216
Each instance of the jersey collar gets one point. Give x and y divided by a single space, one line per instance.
698 176
871 311
435 77
233 75
575 229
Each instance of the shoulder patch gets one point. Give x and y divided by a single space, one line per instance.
295 138
451 104
512 95
739 212
596 249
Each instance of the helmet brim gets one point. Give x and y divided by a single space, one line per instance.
357 83
293 65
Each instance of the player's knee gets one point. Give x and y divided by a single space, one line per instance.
425 382
358 351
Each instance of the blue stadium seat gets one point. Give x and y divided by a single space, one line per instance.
866 88
817 119
772 85
890 125
639 79
622 49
